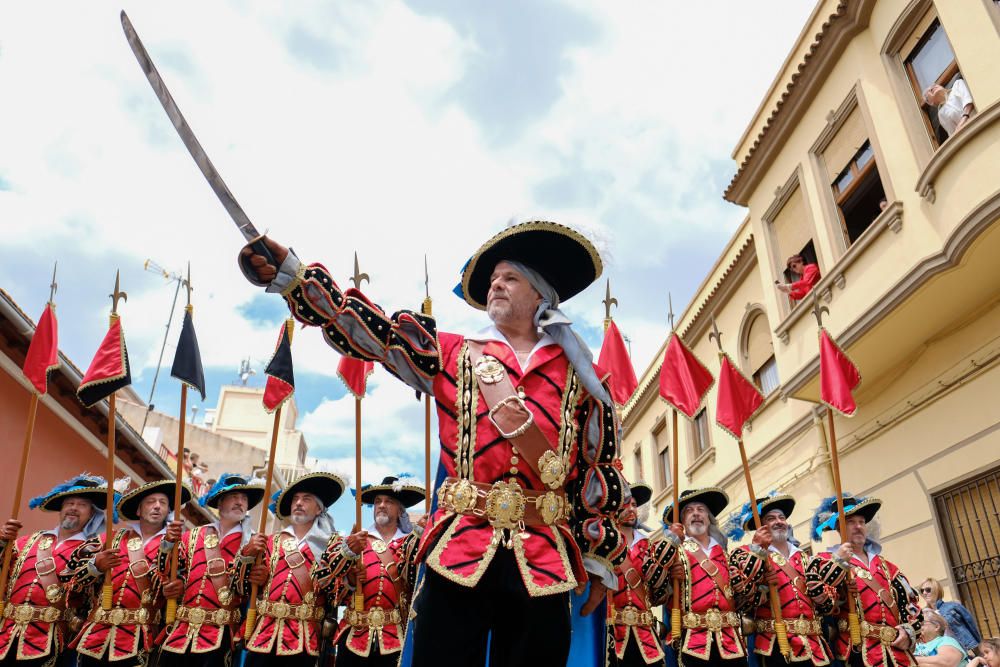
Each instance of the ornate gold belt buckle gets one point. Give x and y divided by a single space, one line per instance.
551 507
376 617
303 612
51 568
213 561
887 634
630 615
489 369
289 558
142 616
713 620
142 563
504 402
51 614
691 620
23 614
460 496
117 616
196 615
280 609
505 504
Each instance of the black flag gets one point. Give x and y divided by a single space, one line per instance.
187 360
280 378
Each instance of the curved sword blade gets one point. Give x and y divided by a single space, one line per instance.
219 186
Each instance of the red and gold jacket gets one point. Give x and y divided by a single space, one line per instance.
582 432
194 569
883 602
126 630
286 608
386 594
798 599
37 638
643 581
710 610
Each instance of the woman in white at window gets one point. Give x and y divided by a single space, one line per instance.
955 106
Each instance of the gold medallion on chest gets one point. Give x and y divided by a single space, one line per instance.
290 544
489 370
691 546
225 596
134 544
45 543
211 540
778 558
552 469
378 546
54 593
863 573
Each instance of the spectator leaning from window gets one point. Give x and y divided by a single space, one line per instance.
990 650
808 277
936 647
963 625
954 107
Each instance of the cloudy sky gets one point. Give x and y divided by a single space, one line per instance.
388 128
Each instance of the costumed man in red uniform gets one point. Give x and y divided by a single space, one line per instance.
800 585
711 600
886 603
528 437
37 611
123 635
296 584
643 583
209 612
374 634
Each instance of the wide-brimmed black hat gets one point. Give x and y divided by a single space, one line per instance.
714 498
229 483
564 257
407 493
825 516
783 502
641 493
324 485
89 487
128 506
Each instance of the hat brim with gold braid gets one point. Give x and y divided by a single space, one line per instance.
714 498
233 483
783 502
128 506
407 494
88 487
565 258
324 485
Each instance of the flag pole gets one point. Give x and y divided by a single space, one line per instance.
853 621
675 606
359 595
8 551
109 511
780 629
268 480
425 309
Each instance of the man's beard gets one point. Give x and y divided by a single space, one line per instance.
382 520
696 529
502 311
301 519
779 535
235 516
70 523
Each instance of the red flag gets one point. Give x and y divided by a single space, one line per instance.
280 376
109 370
684 380
43 352
737 401
614 359
838 376
354 372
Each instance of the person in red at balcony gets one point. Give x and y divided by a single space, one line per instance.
808 277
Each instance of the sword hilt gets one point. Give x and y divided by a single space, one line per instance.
259 247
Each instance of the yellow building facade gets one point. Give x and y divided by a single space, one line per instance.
846 164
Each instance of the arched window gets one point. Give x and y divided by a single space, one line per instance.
757 350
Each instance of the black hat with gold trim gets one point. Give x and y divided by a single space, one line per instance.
128 506
407 493
89 487
783 502
231 483
714 498
825 516
324 485
641 493
564 257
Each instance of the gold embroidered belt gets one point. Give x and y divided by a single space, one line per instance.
713 619
375 618
121 616
884 633
302 612
29 613
630 615
199 616
796 626
504 504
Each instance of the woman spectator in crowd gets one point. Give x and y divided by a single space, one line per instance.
960 620
808 276
990 650
954 106
936 648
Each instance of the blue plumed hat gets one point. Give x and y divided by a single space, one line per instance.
825 516
741 520
90 487
230 482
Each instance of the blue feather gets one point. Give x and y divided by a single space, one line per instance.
273 505
227 480
733 527
827 508
69 485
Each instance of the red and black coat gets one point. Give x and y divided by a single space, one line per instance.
794 604
653 565
380 590
199 591
582 431
37 639
286 636
118 642
898 610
